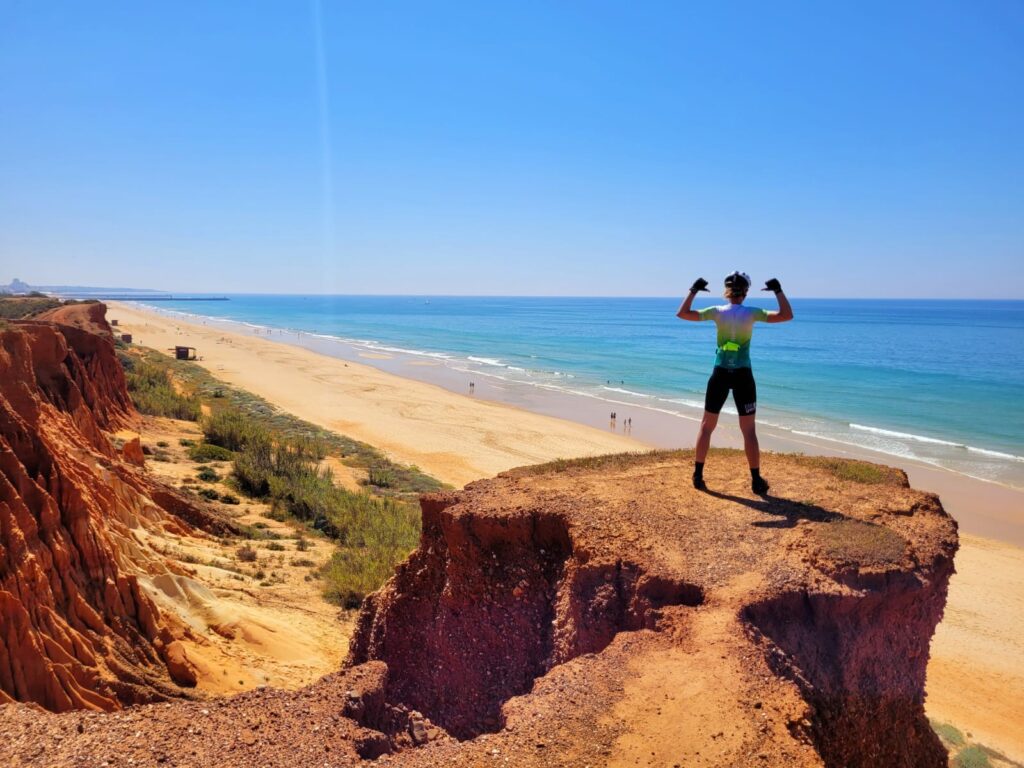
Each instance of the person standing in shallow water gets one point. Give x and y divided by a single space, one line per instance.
732 367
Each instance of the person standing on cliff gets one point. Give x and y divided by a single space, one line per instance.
732 367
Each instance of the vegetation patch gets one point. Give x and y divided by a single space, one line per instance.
614 461
153 394
408 482
855 471
971 757
382 477
24 307
854 541
232 430
277 458
206 452
207 474
373 532
948 733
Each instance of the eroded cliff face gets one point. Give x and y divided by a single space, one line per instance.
78 632
489 603
796 633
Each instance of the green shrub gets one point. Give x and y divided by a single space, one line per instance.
232 430
302 562
381 476
351 574
162 444
309 447
152 392
948 733
205 452
185 442
207 474
972 757
302 544
375 532
209 493
378 539
229 498
254 466
276 512
246 554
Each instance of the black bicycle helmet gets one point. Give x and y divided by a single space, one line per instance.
737 283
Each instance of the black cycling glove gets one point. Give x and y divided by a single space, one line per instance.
699 285
773 285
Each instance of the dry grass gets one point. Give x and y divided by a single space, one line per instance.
854 541
610 461
855 471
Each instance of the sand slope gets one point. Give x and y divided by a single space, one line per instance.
976 674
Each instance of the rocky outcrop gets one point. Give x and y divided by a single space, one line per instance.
822 609
78 631
517 598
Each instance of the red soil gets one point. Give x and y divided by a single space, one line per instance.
77 630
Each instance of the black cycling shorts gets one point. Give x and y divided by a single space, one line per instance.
740 381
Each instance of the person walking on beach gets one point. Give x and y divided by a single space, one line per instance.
732 367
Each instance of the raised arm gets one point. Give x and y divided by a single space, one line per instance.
785 312
685 313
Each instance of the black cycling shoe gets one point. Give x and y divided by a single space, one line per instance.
698 482
759 486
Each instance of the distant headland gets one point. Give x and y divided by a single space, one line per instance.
19 287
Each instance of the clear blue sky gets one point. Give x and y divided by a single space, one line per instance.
601 148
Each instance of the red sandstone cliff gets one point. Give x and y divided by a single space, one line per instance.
77 631
764 631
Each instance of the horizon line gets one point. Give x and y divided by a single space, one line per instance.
570 296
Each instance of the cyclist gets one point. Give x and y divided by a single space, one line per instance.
732 367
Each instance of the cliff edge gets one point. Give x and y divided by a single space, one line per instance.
603 612
78 630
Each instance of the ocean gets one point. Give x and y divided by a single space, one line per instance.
938 381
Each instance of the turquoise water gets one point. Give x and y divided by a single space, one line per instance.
936 380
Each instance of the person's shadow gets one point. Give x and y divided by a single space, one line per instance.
789 512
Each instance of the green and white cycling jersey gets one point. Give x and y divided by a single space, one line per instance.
735 328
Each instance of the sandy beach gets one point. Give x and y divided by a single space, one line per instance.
976 679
